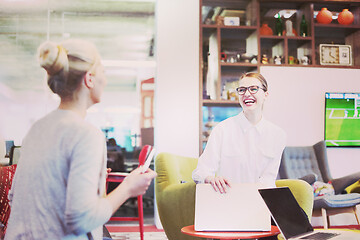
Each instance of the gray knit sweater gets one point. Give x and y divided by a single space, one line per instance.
59 183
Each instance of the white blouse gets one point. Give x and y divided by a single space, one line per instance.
242 152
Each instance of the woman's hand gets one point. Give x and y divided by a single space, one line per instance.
219 183
137 183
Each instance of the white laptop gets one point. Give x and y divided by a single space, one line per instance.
240 209
293 221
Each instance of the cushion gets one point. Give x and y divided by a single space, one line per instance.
322 189
353 188
310 178
335 201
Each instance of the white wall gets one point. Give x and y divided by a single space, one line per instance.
21 111
177 79
297 104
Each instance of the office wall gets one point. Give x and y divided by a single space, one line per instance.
177 77
20 110
297 104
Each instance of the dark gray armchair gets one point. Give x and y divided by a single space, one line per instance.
310 164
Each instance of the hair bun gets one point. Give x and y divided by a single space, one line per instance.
52 57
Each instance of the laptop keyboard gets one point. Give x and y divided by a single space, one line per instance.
320 236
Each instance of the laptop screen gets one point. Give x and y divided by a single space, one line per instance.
285 210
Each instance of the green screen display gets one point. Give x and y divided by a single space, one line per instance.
342 119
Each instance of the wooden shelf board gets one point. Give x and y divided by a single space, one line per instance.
335 66
229 27
208 102
209 26
240 27
226 3
285 37
287 65
272 37
336 25
238 64
315 66
298 38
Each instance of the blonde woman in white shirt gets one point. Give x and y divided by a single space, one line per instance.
245 148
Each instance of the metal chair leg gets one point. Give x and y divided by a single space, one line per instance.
141 216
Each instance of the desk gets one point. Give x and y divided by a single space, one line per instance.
189 230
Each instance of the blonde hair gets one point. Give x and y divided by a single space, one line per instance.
67 63
257 76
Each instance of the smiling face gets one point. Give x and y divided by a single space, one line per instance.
252 101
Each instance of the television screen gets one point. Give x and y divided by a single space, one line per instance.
342 119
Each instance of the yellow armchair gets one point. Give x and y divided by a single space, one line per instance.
302 192
175 193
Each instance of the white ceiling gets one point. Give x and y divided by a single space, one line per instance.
122 30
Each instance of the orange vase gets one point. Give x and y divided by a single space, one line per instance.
345 17
324 16
266 30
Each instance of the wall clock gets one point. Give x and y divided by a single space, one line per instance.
331 54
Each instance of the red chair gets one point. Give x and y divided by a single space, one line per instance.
119 177
6 177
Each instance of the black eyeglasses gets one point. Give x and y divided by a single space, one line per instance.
252 89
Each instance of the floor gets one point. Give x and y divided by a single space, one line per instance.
129 230
136 236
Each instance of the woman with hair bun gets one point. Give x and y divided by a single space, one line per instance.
58 190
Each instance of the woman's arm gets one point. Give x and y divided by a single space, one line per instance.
208 163
86 209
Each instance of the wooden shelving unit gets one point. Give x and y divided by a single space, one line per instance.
207 102
224 64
